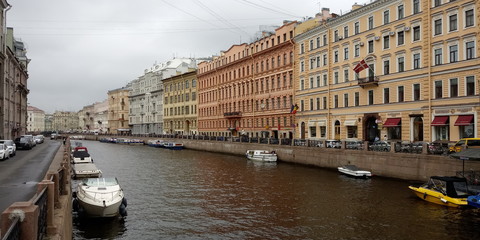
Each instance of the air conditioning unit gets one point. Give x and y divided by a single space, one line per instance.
406 29
376 38
391 33
361 44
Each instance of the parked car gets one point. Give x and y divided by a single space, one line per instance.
34 143
24 142
354 144
11 146
4 153
382 146
39 139
465 143
333 143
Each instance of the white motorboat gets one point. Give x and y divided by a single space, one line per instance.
100 197
354 171
86 170
81 157
262 155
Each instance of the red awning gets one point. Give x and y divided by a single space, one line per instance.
440 121
464 120
392 122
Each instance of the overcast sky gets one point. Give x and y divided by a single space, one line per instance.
80 49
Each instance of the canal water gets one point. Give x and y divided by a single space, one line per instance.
200 195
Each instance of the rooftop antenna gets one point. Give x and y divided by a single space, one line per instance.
319 7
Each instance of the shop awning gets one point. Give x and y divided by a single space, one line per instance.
392 122
440 121
351 122
464 120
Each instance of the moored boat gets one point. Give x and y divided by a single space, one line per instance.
100 197
86 170
446 191
261 155
354 171
173 145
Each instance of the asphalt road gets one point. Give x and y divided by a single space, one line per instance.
20 174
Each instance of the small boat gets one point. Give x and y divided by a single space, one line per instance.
155 143
81 157
446 191
173 145
352 170
261 155
86 170
100 197
474 201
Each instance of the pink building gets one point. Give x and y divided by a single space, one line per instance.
248 89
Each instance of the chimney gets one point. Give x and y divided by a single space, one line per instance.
356 6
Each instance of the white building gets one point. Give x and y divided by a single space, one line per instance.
35 120
146 96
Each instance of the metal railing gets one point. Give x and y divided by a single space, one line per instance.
13 232
41 201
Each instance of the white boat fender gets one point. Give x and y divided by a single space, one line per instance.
443 200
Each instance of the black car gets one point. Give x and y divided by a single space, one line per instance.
24 142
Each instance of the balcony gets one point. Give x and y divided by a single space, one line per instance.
373 80
232 114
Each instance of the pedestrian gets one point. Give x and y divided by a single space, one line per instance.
64 140
376 139
385 138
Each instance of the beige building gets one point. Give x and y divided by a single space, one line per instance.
65 121
118 106
419 81
180 104
35 120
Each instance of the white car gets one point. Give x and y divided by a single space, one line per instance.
11 146
4 153
39 139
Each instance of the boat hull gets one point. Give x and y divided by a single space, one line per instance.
474 201
97 209
357 173
263 158
438 198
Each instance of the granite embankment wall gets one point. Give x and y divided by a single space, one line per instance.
406 166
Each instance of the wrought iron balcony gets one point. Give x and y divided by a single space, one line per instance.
232 114
373 80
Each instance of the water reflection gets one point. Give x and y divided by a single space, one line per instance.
199 195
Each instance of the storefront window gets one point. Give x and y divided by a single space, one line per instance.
352 131
466 131
441 133
313 132
394 133
323 132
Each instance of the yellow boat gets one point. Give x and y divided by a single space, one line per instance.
446 191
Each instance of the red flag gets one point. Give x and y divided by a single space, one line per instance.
360 66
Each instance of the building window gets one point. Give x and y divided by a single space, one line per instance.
416 92
311 44
370 22
325 80
453 22
357 99
438 89
302 84
323 131
302 48
416 33
437 3
386 17
324 39
311 82
438 56
453 53
335 77
345 100
401 12
470 85
311 104
386 95
356 27
318 80
416 6
386 67
386 42
401 64
313 131
469 18
335 56
324 59
437 26
470 50
335 36
401 94
370 46
302 105
302 66
345 75
416 61
318 103
335 101
345 32
370 97
345 53
401 38
324 102
357 50
454 87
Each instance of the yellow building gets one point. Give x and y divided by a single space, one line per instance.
180 105
420 81
118 106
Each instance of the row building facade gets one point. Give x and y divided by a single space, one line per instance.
399 70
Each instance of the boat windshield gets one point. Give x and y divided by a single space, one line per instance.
100 182
449 186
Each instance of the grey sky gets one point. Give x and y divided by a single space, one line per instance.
80 49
